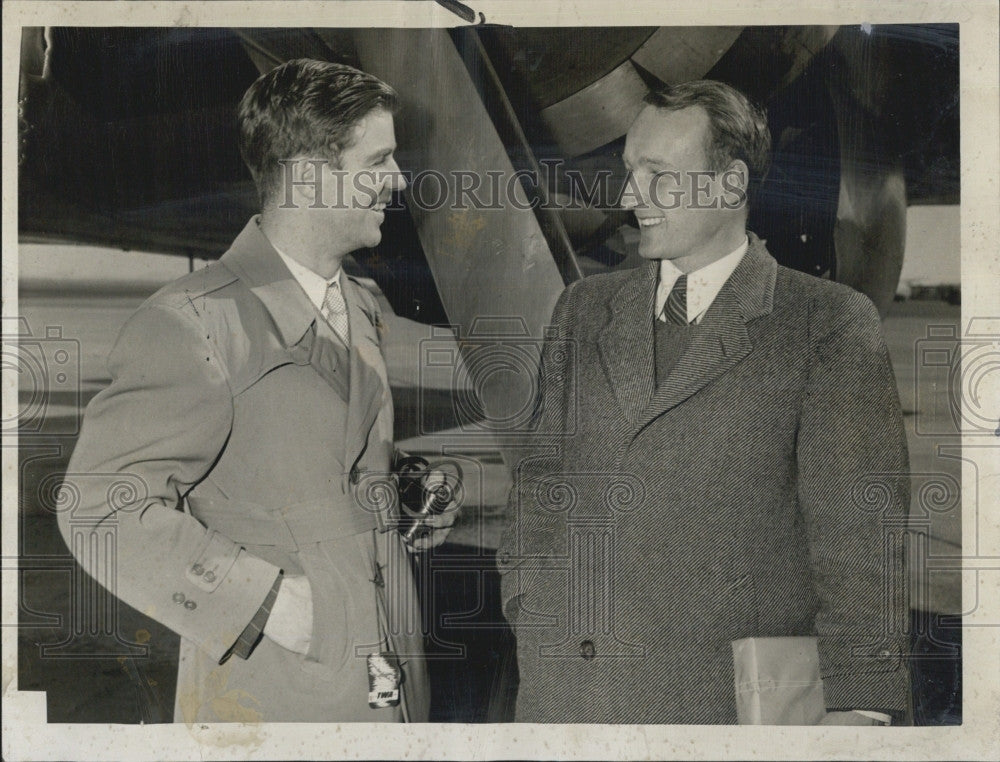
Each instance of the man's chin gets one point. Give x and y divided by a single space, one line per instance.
651 251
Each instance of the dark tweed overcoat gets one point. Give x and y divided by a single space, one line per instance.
761 490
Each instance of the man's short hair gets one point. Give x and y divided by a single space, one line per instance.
304 108
738 128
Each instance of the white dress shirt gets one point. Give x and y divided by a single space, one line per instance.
703 285
313 284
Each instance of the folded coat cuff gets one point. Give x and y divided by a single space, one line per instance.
881 684
217 623
252 633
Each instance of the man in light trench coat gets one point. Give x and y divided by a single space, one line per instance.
240 453
724 458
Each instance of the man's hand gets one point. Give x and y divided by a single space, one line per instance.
290 622
439 526
847 718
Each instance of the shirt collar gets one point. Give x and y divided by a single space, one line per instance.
703 285
312 283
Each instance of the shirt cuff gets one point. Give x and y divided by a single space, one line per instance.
252 633
885 719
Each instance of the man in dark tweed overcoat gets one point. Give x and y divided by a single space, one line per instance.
720 456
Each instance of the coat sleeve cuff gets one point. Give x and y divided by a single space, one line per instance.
232 604
252 633
886 692
885 719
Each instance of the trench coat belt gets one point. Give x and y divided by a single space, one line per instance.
289 527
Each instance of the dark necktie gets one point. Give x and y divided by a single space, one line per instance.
675 308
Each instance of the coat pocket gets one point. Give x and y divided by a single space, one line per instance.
330 643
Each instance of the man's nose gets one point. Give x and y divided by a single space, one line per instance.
633 194
397 182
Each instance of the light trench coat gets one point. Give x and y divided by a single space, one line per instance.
239 438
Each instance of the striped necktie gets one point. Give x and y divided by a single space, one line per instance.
335 311
675 308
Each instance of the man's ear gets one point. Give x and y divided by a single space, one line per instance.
739 175
735 181
306 179
304 183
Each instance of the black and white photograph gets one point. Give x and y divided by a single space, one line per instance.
483 380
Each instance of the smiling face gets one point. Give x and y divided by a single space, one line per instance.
677 203
366 179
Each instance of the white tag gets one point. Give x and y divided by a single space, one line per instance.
383 680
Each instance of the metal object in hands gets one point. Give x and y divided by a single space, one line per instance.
425 490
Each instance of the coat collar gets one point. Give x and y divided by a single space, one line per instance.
353 372
367 388
720 341
254 260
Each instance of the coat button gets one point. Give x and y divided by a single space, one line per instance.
504 558
587 650
354 476
197 570
210 576
190 605
178 597
885 653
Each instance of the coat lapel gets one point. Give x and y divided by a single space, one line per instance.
626 341
721 340
306 335
367 387
718 343
329 358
